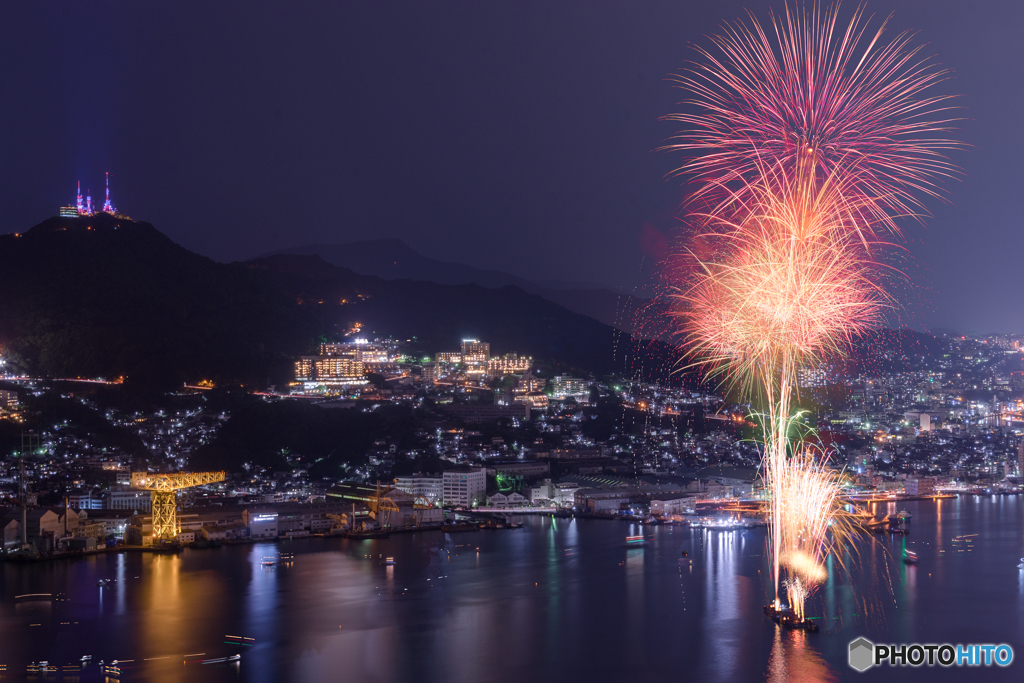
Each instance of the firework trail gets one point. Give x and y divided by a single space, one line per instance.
807 141
783 286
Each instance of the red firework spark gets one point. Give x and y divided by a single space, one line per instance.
822 100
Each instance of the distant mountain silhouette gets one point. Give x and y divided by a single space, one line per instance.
393 259
102 296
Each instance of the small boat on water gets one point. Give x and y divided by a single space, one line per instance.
633 541
1021 565
389 560
910 557
903 516
784 617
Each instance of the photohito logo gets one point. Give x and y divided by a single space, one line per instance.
864 654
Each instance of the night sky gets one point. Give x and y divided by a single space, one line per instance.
510 135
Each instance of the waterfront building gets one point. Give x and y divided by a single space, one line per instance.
103 523
919 486
427 486
465 488
547 493
127 498
507 500
672 504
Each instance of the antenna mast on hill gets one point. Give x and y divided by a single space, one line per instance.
107 206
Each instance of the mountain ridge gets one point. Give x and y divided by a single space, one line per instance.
390 258
103 296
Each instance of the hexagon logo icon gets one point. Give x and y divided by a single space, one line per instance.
862 654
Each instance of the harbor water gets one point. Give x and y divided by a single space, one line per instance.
558 600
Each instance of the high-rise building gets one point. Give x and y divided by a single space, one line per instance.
465 488
304 369
475 355
1020 459
334 368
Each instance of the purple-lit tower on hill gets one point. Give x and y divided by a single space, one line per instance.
85 208
107 206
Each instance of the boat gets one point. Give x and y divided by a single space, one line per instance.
903 516
634 541
389 560
785 618
1021 565
910 557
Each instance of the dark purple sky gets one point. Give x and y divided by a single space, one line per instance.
510 135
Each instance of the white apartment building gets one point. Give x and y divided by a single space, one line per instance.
429 486
465 488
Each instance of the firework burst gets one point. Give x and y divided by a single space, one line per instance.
785 284
819 100
807 142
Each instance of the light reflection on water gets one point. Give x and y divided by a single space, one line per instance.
558 600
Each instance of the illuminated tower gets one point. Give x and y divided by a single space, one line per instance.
88 202
81 209
107 206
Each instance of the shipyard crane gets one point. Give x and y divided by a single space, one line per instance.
418 506
164 489
381 506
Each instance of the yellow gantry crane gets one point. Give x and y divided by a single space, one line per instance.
418 506
164 490
381 506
